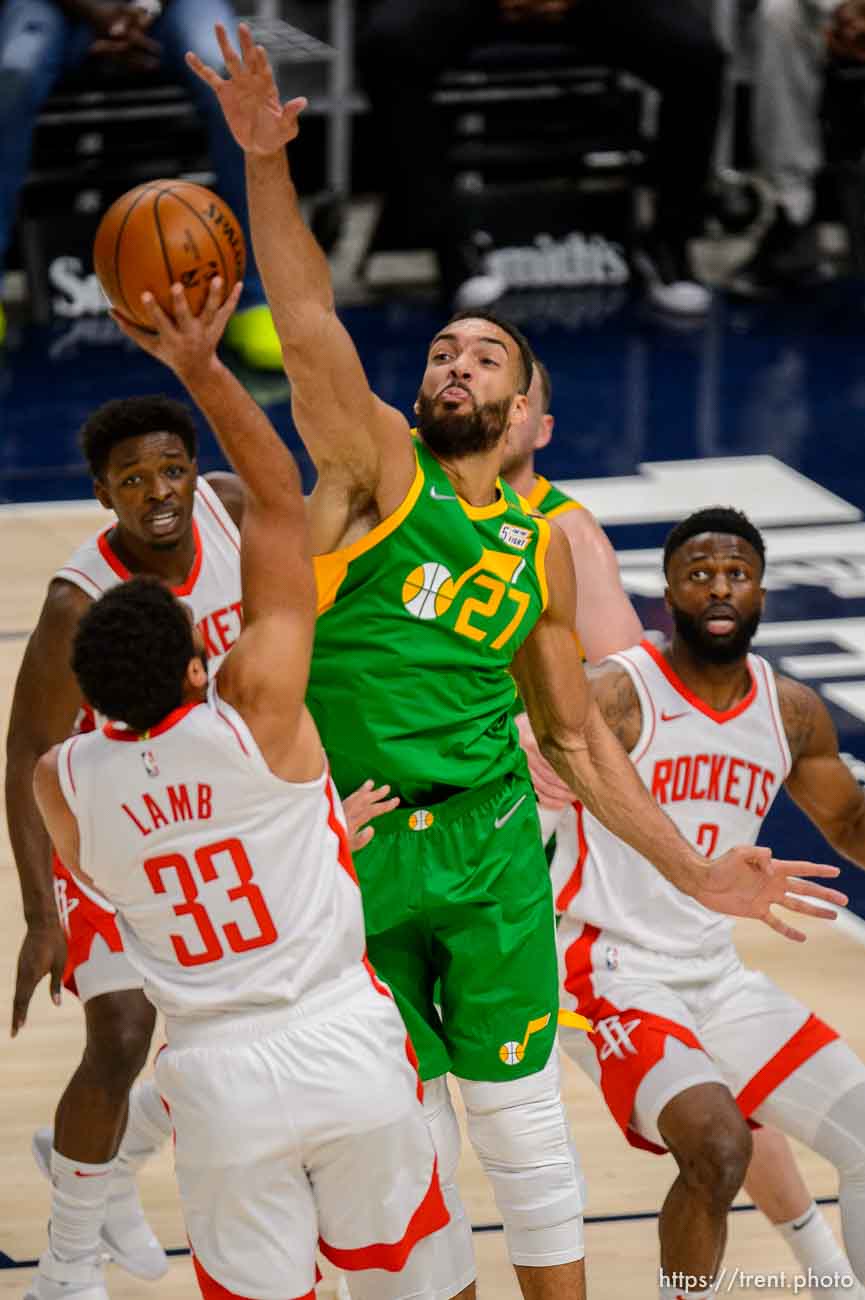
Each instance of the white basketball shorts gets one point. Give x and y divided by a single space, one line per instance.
664 1024
296 1131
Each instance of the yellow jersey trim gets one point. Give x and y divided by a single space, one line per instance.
560 510
331 568
487 512
538 492
541 558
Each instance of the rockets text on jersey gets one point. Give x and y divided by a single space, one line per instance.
714 774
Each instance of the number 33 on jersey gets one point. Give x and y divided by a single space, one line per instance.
431 606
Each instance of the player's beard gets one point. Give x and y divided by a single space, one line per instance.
713 649
455 434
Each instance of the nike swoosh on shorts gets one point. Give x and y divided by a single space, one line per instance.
500 821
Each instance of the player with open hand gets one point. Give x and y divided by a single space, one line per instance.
258 120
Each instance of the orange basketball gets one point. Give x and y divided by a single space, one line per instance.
165 232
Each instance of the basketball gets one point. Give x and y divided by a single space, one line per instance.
162 233
428 590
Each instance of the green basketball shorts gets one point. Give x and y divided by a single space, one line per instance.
460 893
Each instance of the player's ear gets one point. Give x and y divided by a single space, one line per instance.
101 493
519 411
545 433
196 673
667 600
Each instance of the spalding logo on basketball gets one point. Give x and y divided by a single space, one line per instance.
166 232
428 591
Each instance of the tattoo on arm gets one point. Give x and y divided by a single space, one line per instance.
619 705
797 713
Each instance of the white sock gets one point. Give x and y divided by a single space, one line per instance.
817 1249
78 1200
147 1130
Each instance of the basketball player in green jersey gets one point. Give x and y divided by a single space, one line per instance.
435 585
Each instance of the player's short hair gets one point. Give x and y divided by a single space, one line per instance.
131 652
714 519
130 417
527 359
546 385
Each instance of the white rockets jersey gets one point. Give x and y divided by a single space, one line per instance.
233 889
212 588
714 774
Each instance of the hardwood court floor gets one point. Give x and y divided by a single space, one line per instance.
622 1256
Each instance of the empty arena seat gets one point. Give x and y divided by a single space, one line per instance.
538 144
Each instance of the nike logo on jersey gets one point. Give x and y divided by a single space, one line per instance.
671 717
440 496
500 821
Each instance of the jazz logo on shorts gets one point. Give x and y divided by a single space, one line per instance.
513 1053
421 819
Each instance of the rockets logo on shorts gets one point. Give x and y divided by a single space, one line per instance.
617 1036
65 904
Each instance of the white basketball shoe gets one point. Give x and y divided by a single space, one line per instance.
126 1234
57 1279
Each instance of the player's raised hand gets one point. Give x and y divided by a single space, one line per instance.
748 881
186 344
248 96
362 807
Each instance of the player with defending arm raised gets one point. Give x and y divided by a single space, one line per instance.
435 585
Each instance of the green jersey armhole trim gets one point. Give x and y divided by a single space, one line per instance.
331 568
541 559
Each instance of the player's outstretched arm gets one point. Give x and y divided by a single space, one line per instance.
587 756
266 672
606 619
353 438
820 781
44 707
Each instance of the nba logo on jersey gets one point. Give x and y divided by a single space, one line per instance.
516 537
421 820
151 766
612 957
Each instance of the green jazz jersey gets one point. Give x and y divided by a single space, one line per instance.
418 623
548 500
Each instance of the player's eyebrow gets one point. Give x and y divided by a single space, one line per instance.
127 463
481 338
735 553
